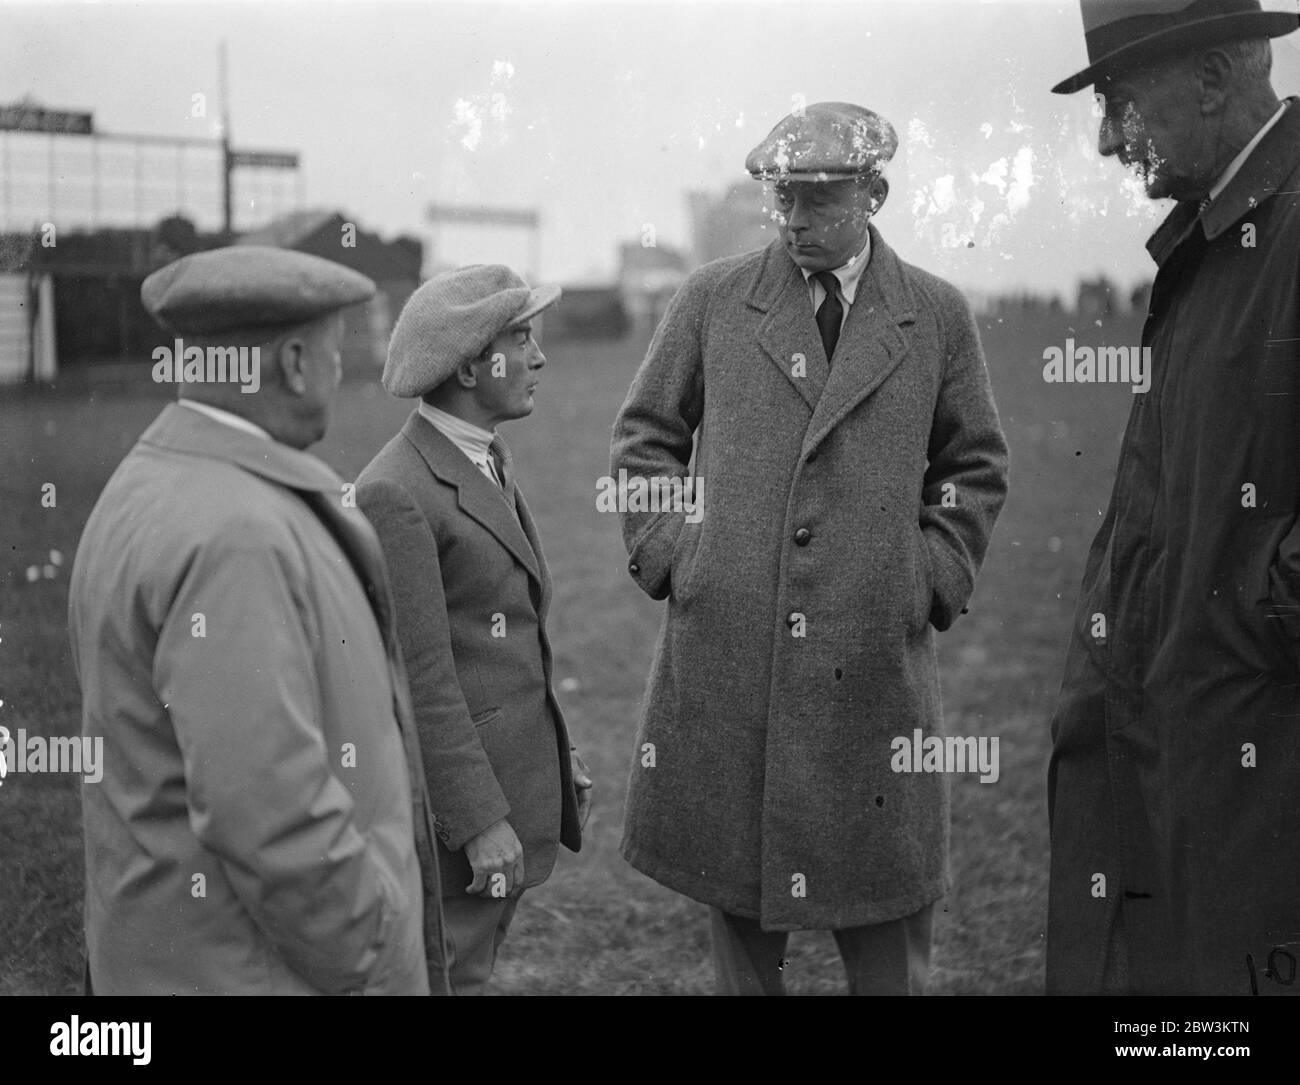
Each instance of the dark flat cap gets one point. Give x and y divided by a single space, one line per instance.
249 287
826 141
452 318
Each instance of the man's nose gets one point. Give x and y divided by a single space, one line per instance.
538 359
1110 137
797 217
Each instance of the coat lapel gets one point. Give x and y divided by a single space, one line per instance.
535 543
872 343
790 328
1260 178
478 498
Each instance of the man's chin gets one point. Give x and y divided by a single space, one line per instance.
1157 188
1155 185
812 259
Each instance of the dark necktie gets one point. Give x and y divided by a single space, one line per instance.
504 467
830 313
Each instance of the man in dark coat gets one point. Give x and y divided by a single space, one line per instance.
472 590
1174 786
841 415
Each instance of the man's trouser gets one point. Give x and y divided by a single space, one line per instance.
881 959
475 928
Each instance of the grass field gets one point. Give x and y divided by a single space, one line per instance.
599 927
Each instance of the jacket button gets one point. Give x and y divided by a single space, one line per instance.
802 537
811 456
633 568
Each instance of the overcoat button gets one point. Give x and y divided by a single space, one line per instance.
802 537
811 456
633 568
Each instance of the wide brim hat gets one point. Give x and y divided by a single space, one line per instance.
454 317
825 141
1123 33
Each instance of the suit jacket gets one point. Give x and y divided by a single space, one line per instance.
847 509
472 591
262 821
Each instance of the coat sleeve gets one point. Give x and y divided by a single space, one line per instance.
244 699
463 789
655 429
966 480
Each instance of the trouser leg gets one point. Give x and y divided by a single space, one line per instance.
747 960
888 958
475 928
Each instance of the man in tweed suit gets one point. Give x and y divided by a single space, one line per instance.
837 403
472 590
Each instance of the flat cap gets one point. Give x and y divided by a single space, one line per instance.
452 318
826 141
245 287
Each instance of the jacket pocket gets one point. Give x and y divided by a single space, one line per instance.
488 715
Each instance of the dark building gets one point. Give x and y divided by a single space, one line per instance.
70 305
648 277
736 222
393 265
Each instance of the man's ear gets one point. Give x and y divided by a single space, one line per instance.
879 189
1214 74
290 354
466 375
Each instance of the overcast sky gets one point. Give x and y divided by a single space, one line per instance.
604 115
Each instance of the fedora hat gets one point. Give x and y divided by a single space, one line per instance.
1121 33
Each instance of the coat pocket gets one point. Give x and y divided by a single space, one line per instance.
920 600
684 560
1282 615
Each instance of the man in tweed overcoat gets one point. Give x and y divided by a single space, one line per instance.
846 430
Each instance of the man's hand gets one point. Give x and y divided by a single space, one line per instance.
582 784
496 851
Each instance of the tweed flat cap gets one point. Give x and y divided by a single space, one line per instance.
827 141
452 318
249 286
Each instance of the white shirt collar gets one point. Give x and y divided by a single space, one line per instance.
466 436
849 274
228 418
1235 165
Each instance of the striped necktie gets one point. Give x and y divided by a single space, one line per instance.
503 465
